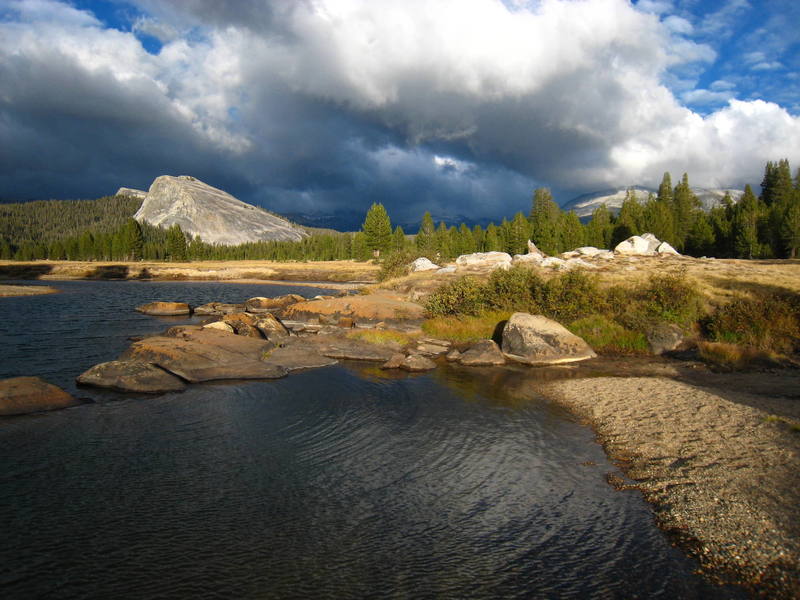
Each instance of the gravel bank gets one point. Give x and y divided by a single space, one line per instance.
720 470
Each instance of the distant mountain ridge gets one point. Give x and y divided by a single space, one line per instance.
585 204
208 212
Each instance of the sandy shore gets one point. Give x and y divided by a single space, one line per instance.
26 290
720 464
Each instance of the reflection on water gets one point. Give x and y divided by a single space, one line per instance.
337 483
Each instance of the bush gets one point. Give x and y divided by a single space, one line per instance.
605 335
514 289
767 322
571 296
396 264
671 298
465 328
463 296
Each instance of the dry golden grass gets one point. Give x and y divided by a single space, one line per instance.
735 357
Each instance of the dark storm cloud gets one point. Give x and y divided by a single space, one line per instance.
327 107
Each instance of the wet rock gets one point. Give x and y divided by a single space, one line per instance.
164 309
260 304
131 376
416 363
24 395
347 349
482 353
218 308
394 362
537 340
453 355
196 354
297 354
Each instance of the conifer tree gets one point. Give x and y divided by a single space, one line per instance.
176 243
545 217
600 228
745 225
478 235
665 189
573 234
377 228
398 239
519 232
492 241
685 209
442 239
426 237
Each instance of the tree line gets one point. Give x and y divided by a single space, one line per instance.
765 226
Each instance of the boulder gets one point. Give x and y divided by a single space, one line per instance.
298 353
532 249
665 248
416 363
432 347
197 354
444 270
260 304
394 362
349 349
644 245
537 340
482 353
483 260
165 309
453 355
589 251
131 376
665 337
24 395
423 264
552 262
578 263
381 305
271 327
218 308
605 255
530 258
221 325
570 254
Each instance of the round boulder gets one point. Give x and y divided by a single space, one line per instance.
537 340
24 395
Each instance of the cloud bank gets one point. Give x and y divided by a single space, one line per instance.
329 105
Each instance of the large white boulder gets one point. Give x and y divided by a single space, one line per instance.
589 251
537 340
530 258
532 249
553 262
644 245
665 248
423 264
478 260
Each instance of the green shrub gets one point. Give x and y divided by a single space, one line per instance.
767 322
514 289
670 297
396 264
463 296
570 296
605 335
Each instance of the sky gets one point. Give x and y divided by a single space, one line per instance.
460 107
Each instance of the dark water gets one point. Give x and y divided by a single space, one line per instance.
333 483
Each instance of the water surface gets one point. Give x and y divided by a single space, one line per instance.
333 483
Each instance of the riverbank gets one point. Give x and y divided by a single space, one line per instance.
26 290
718 460
243 271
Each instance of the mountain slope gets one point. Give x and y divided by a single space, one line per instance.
214 215
584 205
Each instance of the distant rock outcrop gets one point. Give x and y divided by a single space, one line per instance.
132 193
214 215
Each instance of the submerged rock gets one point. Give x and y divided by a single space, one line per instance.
24 395
131 376
165 309
482 353
537 340
416 363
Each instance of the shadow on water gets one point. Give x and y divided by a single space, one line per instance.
24 271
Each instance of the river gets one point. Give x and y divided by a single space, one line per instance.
340 482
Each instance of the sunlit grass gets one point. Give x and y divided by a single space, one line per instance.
465 328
